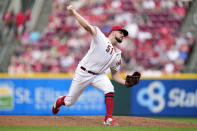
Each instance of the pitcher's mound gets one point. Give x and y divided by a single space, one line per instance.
86 121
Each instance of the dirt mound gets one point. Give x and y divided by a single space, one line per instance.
86 121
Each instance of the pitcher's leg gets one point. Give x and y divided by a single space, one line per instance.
75 91
79 83
103 83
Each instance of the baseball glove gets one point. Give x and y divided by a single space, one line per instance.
132 80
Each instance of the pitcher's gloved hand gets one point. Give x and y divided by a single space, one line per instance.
132 80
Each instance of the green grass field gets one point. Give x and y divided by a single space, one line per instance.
63 128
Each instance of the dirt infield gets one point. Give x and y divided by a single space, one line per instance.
86 121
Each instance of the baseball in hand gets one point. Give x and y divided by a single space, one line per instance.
70 8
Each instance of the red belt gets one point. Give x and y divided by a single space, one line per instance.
84 69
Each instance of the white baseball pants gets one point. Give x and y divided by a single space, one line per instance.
80 82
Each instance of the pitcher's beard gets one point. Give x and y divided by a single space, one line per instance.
118 40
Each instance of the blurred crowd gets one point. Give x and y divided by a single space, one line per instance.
154 44
15 22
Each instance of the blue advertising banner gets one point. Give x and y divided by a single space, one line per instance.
164 98
36 97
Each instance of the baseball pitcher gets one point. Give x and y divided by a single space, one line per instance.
103 54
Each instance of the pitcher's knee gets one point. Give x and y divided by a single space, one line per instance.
111 90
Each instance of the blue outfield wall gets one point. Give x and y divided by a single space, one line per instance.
36 97
164 98
151 97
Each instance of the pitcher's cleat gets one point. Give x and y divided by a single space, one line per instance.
110 122
59 102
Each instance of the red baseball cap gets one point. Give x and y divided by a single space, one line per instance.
114 28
